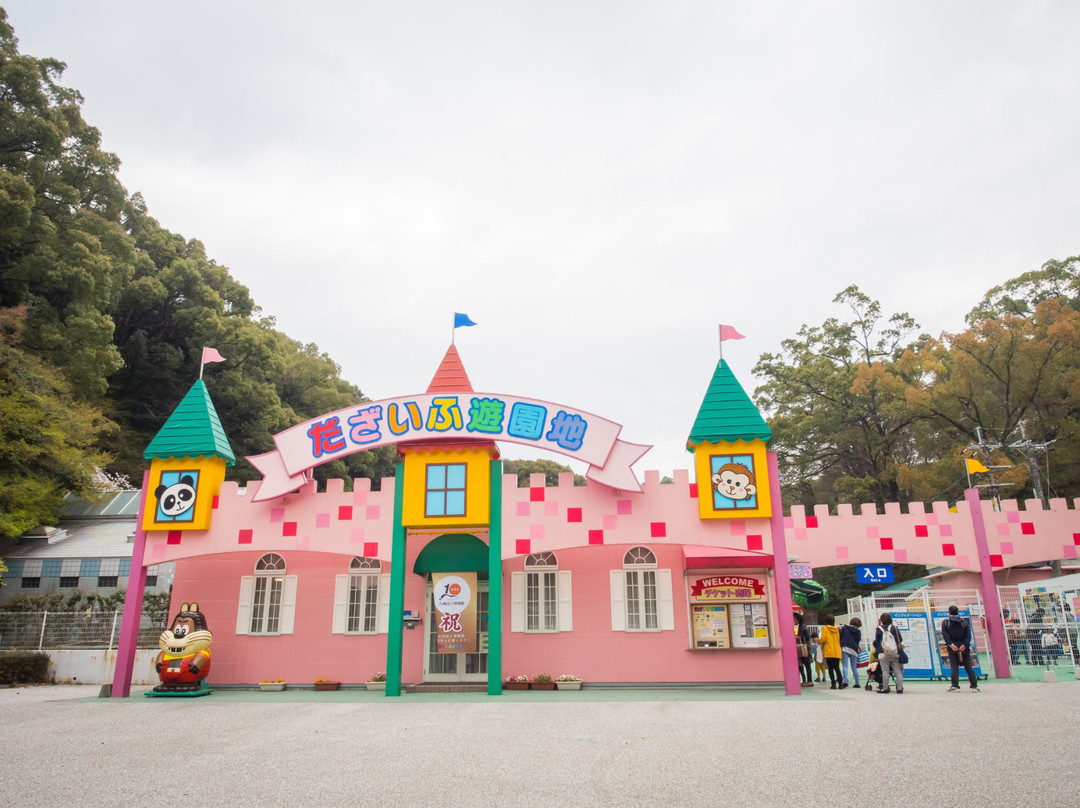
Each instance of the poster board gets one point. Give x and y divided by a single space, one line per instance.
749 625
918 644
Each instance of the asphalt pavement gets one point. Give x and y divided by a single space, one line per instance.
1011 744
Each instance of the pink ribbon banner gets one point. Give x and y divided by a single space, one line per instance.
434 417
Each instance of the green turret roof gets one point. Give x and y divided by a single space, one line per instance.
193 430
727 413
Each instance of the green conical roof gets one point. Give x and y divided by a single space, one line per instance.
727 413
193 430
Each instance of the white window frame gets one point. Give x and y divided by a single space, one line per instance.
372 588
630 596
554 596
269 567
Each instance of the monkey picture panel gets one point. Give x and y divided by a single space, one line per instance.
733 481
181 493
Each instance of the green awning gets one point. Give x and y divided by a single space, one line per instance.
453 552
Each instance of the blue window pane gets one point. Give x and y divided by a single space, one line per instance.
435 504
455 475
90 568
14 566
455 503
436 476
50 567
125 566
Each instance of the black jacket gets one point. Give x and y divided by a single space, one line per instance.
956 630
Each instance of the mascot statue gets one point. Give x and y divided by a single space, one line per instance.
184 660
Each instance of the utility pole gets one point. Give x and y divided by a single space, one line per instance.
984 449
1032 451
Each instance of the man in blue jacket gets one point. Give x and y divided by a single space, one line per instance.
956 631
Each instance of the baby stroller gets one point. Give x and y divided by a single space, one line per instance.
873 673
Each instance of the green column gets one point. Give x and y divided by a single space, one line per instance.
397 590
494 659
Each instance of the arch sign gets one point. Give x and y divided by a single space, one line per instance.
433 417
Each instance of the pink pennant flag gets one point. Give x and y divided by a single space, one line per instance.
729 332
209 355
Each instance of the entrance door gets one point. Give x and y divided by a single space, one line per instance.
457 667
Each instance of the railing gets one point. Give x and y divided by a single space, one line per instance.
72 630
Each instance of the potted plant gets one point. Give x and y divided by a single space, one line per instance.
516 683
326 684
543 681
568 681
271 685
377 681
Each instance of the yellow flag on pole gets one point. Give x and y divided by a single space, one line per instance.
974 466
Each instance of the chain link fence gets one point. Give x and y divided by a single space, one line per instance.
34 631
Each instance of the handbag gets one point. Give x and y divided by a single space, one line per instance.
803 649
903 656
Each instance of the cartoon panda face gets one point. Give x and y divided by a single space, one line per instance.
176 499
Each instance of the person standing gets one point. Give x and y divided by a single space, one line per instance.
802 644
830 649
1017 641
888 643
956 631
850 638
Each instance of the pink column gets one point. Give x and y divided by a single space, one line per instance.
133 601
999 648
789 659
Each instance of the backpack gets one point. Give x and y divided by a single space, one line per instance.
888 641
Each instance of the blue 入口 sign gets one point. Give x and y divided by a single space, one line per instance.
874 573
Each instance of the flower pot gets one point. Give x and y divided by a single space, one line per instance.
327 685
515 685
271 687
568 685
375 685
543 685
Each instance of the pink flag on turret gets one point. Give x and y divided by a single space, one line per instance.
729 332
209 355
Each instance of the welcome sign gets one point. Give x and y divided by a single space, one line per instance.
551 427
728 587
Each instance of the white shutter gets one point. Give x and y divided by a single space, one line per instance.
341 604
517 601
566 602
665 605
382 619
618 601
288 605
243 612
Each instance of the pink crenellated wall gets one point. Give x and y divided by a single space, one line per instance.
938 537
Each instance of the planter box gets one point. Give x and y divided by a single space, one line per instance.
543 685
327 685
568 685
515 685
271 687
375 685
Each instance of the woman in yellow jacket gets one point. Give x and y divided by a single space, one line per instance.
830 649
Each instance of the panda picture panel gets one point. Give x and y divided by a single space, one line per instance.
181 493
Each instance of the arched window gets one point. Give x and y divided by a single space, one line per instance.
639 573
541 592
269 586
363 595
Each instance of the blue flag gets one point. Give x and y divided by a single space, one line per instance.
462 319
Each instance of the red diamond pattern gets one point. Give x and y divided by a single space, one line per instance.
811 521
948 549
288 529
573 514
997 561
371 549
658 530
214 502
693 490
922 531
174 537
596 537
344 513
1027 528
886 543
245 537
753 543
536 495
523 546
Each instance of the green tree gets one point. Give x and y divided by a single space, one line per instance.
836 399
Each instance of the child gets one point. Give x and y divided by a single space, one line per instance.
830 650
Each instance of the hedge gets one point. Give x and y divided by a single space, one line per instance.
23 667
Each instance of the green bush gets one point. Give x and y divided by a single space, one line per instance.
23 667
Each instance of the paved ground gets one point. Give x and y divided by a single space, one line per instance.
1012 744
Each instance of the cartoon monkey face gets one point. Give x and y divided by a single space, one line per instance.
178 498
734 481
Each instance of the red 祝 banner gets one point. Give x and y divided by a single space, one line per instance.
728 587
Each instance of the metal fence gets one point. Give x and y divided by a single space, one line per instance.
71 630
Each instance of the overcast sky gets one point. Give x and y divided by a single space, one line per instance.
598 185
